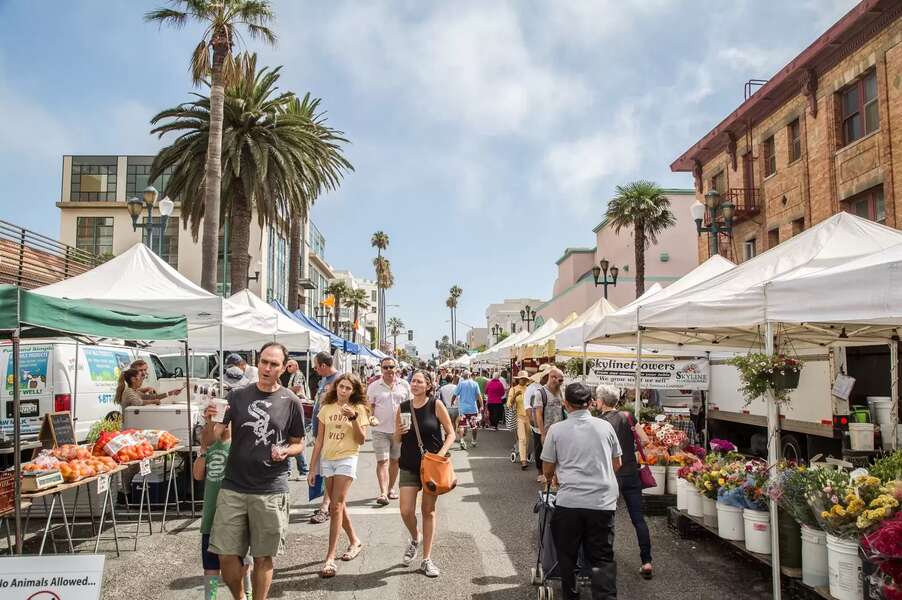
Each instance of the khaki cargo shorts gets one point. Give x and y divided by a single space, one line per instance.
255 521
385 446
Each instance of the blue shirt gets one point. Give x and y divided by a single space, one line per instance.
320 392
467 392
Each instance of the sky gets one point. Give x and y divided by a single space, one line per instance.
486 135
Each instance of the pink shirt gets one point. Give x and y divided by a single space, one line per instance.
494 390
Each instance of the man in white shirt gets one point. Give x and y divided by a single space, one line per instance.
583 453
384 396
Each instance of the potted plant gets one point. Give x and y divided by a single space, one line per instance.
761 373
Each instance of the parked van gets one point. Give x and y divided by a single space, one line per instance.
48 377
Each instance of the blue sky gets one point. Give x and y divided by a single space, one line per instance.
487 135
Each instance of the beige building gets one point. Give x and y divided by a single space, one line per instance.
94 217
477 337
506 314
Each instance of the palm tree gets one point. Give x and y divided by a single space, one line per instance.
642 206
380 241
222 21
456 292
395 328
338 289
356 299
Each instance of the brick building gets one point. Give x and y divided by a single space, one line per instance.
822 135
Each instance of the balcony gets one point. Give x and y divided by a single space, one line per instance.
747 203
31 260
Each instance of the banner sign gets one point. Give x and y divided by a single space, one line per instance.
51 577
32 371
657 373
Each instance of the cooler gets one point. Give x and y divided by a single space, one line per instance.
169 417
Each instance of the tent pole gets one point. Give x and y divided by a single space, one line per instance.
894 390
190 423
637 401
307 380
773 456
17 425
221 363
74 408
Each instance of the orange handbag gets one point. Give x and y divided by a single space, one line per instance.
436 472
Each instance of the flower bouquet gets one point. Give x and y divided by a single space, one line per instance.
741 484
681 459
655 456
888 468
883 547
846 508
722 446
669 436
761 373
790 488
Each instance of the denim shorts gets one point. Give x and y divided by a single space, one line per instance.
340 466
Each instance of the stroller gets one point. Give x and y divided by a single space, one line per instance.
546 568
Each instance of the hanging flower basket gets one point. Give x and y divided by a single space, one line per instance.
762 373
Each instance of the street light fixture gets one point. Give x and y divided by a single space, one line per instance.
136 206
713 203
256 277
602 267
527 315
496 331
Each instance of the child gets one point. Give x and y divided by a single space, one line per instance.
209 467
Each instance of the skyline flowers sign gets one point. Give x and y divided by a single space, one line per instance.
662 373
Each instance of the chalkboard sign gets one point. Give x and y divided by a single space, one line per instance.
57 429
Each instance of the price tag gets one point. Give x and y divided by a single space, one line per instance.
145 466
103 483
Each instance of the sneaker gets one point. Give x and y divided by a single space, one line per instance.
411 552
428 567
463 445
540 479
475 444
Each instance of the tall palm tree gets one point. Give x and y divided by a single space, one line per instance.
380 241
395 328
338 289
451 303
642 206
456 292
356 299
222 21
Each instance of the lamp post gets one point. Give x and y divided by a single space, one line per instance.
714 203
602 268
136 206
256 276
527 315
320 313
496 331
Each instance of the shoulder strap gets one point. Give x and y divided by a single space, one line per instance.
544 397
416 427
636 439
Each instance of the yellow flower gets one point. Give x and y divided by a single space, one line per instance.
708 485
721 481
825 514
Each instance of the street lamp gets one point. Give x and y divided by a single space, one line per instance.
135 206
496 331
713 203
256 276
602 267
527 315
320 313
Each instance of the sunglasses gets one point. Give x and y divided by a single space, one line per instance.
389 368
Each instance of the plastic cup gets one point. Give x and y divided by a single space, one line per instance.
405 420
221 406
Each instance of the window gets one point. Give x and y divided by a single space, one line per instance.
94 235
794 133
749 249
719 182
868 204
773 238
513 328
373 296
93 179
170 252
770 157
860 113
137 179
277 276
798 226
223 265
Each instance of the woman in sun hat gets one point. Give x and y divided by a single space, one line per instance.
516 401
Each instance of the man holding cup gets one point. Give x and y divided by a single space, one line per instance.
267 427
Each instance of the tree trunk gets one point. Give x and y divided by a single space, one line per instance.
640 258
294 263
239 240
213 173
356 314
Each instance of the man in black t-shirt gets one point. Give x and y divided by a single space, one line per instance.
267 427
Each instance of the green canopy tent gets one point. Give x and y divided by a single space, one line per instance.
24 314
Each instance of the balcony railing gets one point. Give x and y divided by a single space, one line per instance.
30 260
746 202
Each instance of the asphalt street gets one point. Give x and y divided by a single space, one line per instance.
485 547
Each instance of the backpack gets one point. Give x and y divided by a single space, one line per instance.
532 413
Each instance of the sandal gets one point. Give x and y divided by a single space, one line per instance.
328 570
646 571
319 517
382 500
352 552
393 495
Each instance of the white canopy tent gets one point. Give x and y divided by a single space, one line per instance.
500 352
574 335
539 333
290 332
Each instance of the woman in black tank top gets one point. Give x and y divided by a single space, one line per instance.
437 434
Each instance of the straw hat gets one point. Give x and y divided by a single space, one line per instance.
542 372
522 375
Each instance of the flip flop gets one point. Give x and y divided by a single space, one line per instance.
319 517
393 495
382 501
328 570
352 552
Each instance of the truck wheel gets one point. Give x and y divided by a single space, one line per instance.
113 415
792 448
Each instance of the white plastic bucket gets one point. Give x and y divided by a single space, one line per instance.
814 557
660 474
844 568
757 530
672 479
861 436
730 525
682 495
709 509
694 501
881 413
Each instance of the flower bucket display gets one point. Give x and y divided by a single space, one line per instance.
660 473
814 557
790 541
757 530
787 380
672 479
709 511
682 496
730 525
844 568
694 501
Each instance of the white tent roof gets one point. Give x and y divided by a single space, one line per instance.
290 332
572 335
501 351
731 306
621 326
140 281
539 334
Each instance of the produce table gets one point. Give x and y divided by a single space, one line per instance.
171 485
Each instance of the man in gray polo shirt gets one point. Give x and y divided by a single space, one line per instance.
583 454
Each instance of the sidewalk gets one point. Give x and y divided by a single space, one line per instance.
484 547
